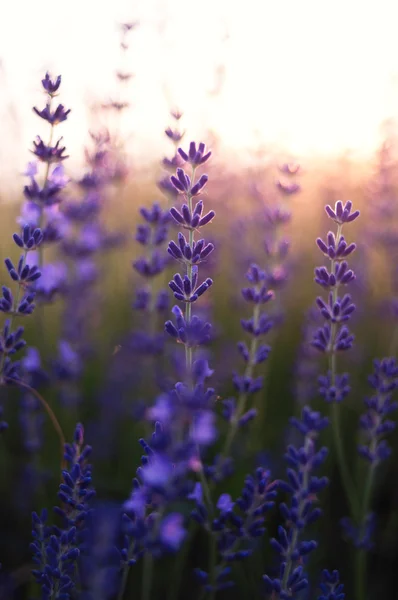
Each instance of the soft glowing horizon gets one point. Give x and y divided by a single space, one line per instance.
313 77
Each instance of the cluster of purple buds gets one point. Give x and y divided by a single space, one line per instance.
151 299
152 235
361 536
307 367
237 527
188 329
257 326
85 237
375 422
122 75
161 480
334 336
303 487
18 304
184 425
175 134
48 193
331 587
56 550
288 185
277 217
375 425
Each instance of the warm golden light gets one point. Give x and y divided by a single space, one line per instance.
311 76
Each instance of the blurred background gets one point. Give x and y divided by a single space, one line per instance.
263 84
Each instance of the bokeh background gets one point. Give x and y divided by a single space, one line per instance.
262 83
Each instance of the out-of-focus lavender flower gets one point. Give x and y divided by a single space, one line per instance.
331 587
84 238
375 425
303 487
375 422
161 479
381 231
257 326
236 527
175 134
307 363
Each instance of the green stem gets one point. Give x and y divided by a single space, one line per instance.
342 462
394 342
147 577
125 573
178 569
212 564
361 557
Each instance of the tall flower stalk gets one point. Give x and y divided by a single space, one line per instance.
302 486
49 154
257 326
375 425
334 336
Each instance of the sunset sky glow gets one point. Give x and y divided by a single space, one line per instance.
313 76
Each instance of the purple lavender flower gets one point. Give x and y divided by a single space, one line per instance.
331 587
236 527
56 551
334 336
303 487
19 304
257 326
175 134
375 422
187 418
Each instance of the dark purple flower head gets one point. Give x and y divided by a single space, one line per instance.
186 289
30 239
174 134
342 213
51 86
333 249
331 587
196 155
341 275
53 117
336 311
334 392
362 536
22 273
49 154
194 333
191 218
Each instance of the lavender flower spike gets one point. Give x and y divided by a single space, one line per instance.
334 336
